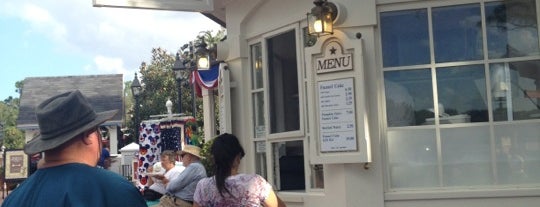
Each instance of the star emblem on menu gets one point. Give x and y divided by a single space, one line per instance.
333 51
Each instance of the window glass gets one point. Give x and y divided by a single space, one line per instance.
256 66
515 88
260 159
457 33
462 94
259 126
403 32
289 165
518 153
498 91
409 97
466 156
413 158
283 83
512 29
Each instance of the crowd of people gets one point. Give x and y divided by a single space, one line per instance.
73 169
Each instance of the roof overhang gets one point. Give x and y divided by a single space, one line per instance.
25 127
210 8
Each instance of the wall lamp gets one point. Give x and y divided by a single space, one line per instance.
203 56
321 18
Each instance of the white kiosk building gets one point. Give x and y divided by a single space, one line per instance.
405 103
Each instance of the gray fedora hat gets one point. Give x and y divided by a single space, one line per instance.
61 118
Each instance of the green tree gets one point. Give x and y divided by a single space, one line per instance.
157 80
187 51
19 86
159 84
211 39
12 137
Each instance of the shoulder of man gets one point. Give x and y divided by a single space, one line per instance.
197 165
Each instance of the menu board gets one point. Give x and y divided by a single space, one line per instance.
337 122
16 164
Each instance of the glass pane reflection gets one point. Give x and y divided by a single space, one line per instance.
462 94
409 96
512 29
413 158
515 89
466 154
457 33
518 153
288 158
403 32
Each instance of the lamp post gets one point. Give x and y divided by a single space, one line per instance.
178 67
191 65
136 91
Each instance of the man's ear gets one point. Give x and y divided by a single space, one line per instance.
87 137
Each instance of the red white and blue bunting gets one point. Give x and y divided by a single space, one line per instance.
205 78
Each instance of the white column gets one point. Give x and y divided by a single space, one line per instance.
113 139
209 114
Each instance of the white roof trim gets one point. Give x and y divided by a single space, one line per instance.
173 5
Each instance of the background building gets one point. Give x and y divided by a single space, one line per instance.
406 103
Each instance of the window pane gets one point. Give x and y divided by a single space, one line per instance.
409 95
403 32
457 33
289 165
258 115
512 30
283 83
466 156
520 83
260 159
413 158
518 153
256 66
462 94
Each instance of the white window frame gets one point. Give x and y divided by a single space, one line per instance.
441 192
296 135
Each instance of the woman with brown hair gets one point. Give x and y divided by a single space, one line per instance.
228 187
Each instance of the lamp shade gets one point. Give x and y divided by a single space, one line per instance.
136 86
203 56
321 18
203 62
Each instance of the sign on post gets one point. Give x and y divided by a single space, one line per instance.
337 122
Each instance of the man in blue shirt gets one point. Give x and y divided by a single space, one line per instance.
67 174
105 159
180 189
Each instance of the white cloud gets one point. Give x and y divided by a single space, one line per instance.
109 65
76 27
40 19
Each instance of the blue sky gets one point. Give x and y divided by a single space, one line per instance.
70 37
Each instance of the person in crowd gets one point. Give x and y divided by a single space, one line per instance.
180 189
67 174
105 159
160 177
229 187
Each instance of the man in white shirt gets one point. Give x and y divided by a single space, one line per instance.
160 174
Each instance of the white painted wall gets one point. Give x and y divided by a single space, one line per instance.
345 184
